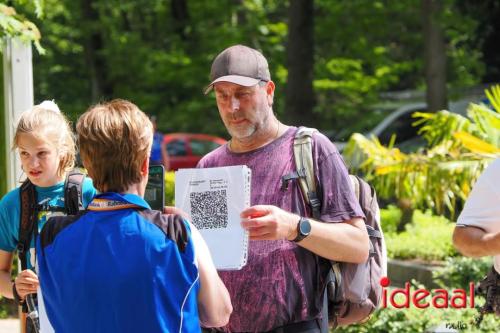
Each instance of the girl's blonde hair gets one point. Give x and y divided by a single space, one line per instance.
46 122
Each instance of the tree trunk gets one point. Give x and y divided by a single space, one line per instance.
407 210
93 43
299 100
434 56
180 15
491 47
241 12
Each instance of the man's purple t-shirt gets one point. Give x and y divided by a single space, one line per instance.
282 282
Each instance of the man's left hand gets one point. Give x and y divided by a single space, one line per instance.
267 222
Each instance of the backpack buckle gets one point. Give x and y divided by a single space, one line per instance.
315 205
313 200
291 176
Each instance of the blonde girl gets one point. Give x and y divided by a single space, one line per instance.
46 147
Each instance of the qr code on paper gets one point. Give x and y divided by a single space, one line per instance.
209 209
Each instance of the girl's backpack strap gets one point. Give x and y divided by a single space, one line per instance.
73 201
27 221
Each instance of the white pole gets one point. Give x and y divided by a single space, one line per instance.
18 92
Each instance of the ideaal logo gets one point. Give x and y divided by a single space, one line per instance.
460 299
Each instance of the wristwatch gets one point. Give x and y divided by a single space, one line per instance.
303 229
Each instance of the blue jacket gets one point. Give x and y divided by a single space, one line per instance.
119 267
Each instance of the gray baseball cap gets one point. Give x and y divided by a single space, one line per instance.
241 65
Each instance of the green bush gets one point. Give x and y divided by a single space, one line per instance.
389 218
8 309
459 271
427 238
169 188
414 320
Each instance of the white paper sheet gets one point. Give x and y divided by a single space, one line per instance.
214 199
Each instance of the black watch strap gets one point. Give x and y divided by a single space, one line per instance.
17 298
303 229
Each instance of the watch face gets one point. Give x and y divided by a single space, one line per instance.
305 227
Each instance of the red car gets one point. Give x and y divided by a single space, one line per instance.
186 149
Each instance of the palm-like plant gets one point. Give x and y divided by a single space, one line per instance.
436 177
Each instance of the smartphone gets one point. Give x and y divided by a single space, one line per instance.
155 188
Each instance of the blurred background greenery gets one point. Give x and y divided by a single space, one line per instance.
331 60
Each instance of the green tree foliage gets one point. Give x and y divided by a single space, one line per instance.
147 52
14 25
366 47
158 54
364 50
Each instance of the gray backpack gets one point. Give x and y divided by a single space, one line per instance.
353 291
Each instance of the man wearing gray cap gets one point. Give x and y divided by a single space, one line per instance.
281 287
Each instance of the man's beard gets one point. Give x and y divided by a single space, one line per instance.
240 132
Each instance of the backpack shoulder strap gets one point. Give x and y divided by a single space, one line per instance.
73 201
355 185
365 194
303 155
365 197
27 220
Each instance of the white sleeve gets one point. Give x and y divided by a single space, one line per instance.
201 250
482 208
45 326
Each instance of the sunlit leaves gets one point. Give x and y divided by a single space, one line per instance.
13 25
475 145
440 126
459 149
494 96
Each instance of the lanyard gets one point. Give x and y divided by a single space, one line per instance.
100 204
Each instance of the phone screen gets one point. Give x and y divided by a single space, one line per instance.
155 188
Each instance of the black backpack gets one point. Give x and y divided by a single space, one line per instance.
353 291
28 226
489 288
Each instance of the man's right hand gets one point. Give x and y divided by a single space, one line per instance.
26 283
